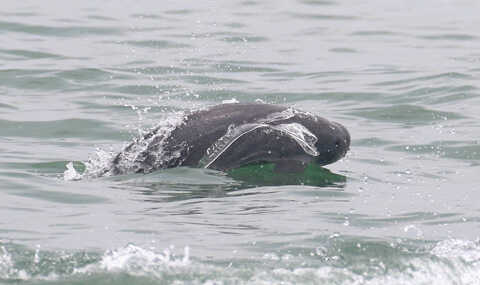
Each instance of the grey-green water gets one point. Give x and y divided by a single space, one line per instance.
80 75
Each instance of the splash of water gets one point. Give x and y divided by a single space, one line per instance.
7 267
136 261
71 173
129 160
447 262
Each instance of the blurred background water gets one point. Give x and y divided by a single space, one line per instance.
82 78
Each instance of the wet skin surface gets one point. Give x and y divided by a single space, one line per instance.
263 142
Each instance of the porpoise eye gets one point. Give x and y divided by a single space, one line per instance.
337 143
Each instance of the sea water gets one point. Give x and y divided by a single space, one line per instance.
80 80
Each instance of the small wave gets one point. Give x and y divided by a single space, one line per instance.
137 261
450 261
37 265
157 44
67 31
7 268
406 114
464 250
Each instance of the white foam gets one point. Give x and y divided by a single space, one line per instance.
230 101
448 262
137 261
7 267
468 251
101 163
71 173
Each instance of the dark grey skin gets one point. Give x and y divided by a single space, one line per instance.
190 141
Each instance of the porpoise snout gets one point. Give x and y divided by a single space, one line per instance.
343 137
333 144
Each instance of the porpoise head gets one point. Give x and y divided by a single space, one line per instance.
334 146
333 139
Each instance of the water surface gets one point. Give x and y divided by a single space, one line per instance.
78 79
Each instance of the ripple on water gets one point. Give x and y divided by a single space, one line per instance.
461 150
62 197
147 16
430 95
234 67
371 33
69 128
102 18
45 168
373 142
343 50
245 39
142 89
39 79
449 37
55 31
6 106
20 54
410 115
86 75
441 77
318 2
157 44
152 70
210 80
322 17
31 185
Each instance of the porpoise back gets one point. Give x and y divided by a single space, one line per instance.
228 136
